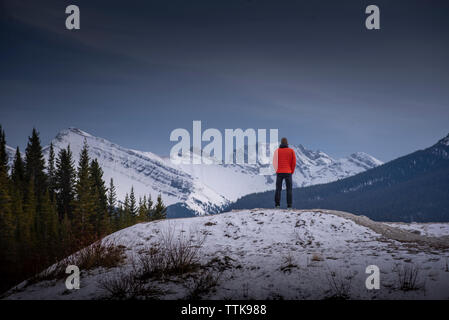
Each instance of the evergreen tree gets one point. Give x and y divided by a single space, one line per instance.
112 198
143 210
119 217
150 208
51 170
84 217
48 228
28 223
7 226
126 215
99 191
160 211
65 183
66 237
35 164
17 193
3 154
18 172
132 204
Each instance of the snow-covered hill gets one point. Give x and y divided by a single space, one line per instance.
268 254
201 189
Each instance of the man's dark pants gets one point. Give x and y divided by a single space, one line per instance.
288 182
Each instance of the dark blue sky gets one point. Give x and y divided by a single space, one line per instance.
139 69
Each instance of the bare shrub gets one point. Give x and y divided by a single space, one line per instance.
127 286
408 276
106 255
98 254
288 263
203 284
151 263
340 285
174 254
182 252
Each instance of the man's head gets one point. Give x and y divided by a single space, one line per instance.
284 141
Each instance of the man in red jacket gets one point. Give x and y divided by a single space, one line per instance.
284 162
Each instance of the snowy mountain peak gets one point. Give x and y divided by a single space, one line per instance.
444 141
11 152
71 131
365 159
144 171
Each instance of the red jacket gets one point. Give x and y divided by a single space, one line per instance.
284 160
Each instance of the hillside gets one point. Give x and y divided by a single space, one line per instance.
263 254
411 188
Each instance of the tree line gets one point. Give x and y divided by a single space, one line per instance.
50 209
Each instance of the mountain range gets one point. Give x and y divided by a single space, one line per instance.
200 189
414 187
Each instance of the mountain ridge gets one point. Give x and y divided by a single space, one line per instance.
199 189
414 187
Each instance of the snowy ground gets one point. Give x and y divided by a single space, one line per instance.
427 229
277 254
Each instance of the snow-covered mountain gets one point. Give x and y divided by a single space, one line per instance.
11 153
263 254
201 189
145 171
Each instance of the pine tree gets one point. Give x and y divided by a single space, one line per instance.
48 228
66 237
143 210
119 217
133 210
84 217
3 154
18 172
150 208
35 164
126 215
102 225
65 184
7 226
160 211
51 171
112 198
28 227
17 194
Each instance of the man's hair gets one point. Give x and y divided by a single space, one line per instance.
284 141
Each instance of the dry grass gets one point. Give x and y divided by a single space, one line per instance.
98 254
408 277
172 255
339 285
317 257
175 254
127 286
203 284
288 263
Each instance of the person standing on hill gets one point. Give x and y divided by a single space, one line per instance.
284 162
